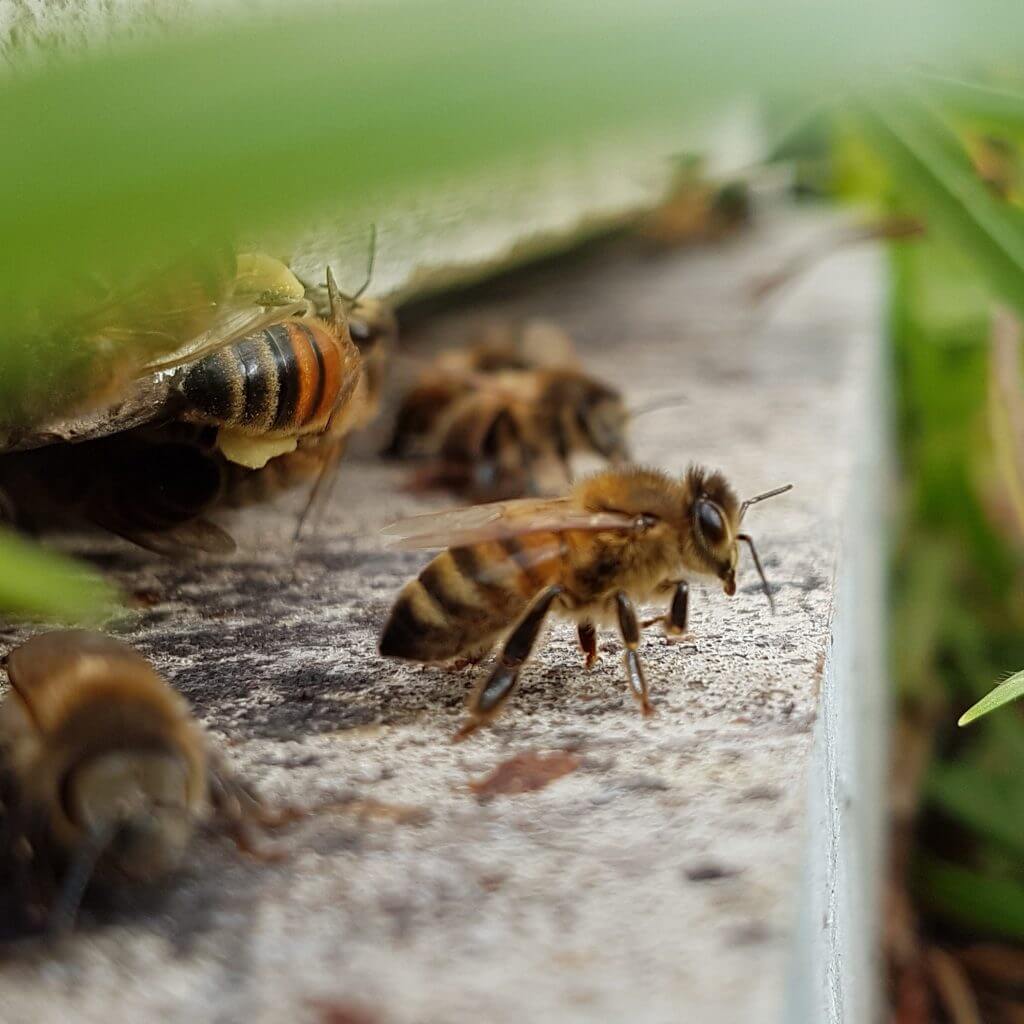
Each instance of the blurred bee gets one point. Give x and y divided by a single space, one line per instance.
104 773
622 537
503 418
997 161
697 210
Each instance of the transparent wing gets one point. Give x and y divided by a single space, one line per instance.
183 540
479 523
234 323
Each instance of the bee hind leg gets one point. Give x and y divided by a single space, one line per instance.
489 697
630 630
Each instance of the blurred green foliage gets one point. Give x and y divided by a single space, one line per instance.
958 600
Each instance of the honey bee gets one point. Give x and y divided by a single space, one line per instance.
104 772
500 420
297 380
622 537
292 378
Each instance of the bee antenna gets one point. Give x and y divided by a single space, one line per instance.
76 881
371 259
746 538
337 300
762 497
668 402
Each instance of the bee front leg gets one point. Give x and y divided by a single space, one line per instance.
630 630
679 611
240 813
487 700
678 617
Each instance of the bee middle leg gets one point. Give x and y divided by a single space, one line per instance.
630 629
488 698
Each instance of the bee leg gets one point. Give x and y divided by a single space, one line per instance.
630 630
677 619
488 698
239 809
679 611
588 643
470 659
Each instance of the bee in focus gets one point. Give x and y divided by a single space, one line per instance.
103 773
623 537
504 417
297 381
295 377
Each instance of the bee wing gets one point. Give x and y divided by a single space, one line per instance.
234 323
185 539
479 523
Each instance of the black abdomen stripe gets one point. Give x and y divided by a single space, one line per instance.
260 389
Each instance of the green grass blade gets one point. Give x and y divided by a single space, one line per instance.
932 169
40 584
1004 693
996 107
993 904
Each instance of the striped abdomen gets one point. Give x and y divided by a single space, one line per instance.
285 380
466 597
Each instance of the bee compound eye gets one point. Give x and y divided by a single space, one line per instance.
710 522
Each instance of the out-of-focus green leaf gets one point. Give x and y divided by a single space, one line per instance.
985 804
933 169
39 584
1004 693
993 904
123 156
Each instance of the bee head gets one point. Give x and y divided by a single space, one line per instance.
603 418
139 799
715 517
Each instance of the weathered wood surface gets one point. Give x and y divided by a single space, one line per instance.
658 881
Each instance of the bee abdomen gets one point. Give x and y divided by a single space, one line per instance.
460 601
286 379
